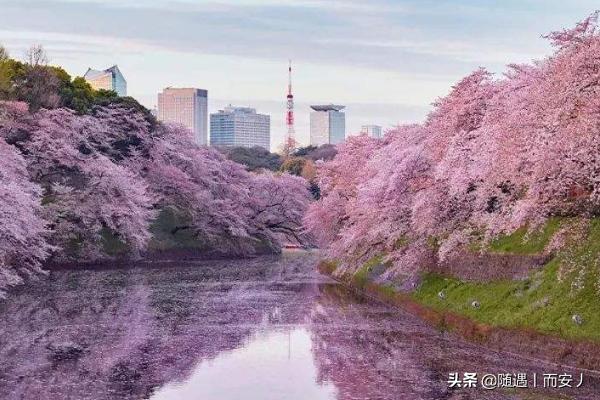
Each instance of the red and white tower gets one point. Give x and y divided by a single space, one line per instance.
290 140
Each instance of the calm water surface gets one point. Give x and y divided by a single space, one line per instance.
268 328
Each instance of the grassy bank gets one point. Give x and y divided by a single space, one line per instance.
540 303
545 302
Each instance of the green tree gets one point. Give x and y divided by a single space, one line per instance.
75 94
80 96
293 165
10 71
254 158
43 86
5 80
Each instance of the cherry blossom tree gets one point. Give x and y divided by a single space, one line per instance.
223 205
338 180
22 229
87 196
277 207
82 188
200 185
495 154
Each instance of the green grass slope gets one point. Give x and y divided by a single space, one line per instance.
546 301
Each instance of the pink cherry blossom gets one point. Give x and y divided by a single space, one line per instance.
495 154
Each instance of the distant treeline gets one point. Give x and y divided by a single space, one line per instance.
301 162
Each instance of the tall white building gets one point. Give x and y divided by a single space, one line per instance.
374 131
240 126
327 124
108 79
187 107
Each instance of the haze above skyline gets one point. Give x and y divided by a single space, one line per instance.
385 60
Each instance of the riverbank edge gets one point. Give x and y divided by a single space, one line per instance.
526 343
155 256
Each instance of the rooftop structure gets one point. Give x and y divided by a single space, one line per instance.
328 107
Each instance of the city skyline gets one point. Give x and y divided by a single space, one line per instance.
387 61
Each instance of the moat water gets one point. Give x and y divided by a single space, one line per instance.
269 328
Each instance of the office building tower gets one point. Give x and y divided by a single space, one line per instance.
108 79
372 130
240 126
327 124
187 107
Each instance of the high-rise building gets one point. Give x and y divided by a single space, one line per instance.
187 107
108 79
372 130
240 126
327 124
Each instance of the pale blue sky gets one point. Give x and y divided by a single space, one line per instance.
386 60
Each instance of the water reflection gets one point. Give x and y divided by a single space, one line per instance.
268 328
272 365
